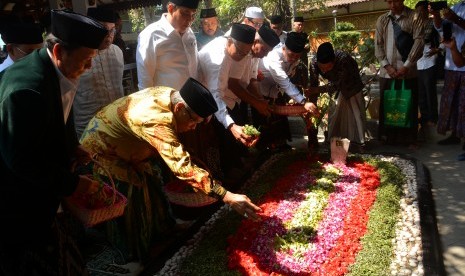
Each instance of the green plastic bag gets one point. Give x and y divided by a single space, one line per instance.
397 106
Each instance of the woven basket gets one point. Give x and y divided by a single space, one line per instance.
92 216
181 193
289 110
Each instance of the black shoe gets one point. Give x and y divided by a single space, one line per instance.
451 140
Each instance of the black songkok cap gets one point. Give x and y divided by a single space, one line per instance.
22 33
243 33
299 19
269 36
325 53
191 4
102 14
276 19
422 3
295 42
198 98
207 13
77 29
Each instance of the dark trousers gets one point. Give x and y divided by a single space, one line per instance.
231 150
398 135
427 95
273 130
54 253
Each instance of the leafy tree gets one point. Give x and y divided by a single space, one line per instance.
345 37
232 10
411 3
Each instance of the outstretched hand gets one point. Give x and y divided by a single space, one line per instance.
238 133
243 205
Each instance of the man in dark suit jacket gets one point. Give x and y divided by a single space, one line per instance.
38 144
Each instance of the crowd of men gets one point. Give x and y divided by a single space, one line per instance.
62 106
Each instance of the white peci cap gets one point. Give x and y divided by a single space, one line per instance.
254 12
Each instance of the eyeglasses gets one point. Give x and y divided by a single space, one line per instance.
197 121
112 31
255 24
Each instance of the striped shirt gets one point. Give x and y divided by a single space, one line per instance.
385 47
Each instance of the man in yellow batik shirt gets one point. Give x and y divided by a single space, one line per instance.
128 135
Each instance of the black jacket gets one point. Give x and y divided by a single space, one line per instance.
35 149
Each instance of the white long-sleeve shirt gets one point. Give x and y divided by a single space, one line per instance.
215 69
277 73
164 57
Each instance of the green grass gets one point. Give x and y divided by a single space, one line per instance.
377 248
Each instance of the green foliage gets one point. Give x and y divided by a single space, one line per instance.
367 52
345 37
140 18
344 26
411 3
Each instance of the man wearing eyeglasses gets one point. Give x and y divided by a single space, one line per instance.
103 82
21 39
167 49
254 17
132 137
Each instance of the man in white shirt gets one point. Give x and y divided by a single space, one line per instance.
245 90
215 60
253 16
103 82
21 39
277 68
167 49
276 24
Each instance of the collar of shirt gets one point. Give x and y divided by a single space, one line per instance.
6 63
67 89
402 14
166 25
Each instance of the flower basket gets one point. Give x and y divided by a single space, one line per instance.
91 210
181 193
289 110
